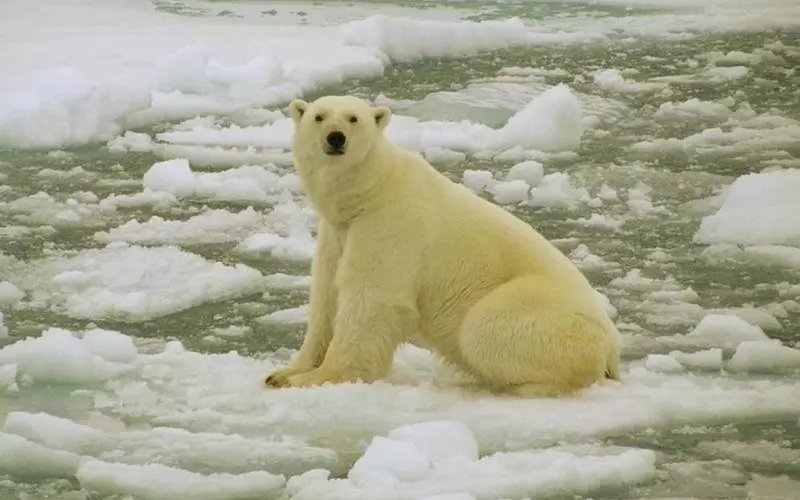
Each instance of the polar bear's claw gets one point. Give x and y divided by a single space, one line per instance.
273 381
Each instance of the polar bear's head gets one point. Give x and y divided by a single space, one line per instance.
336 129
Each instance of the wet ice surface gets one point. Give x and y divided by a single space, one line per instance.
154 260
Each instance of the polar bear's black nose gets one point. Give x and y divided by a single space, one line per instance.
336 140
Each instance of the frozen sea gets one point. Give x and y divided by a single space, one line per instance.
155 245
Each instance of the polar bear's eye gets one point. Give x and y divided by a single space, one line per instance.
353 119
318 118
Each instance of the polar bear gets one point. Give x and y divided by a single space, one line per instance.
405 255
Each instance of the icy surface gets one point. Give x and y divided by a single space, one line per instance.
216 399
134 283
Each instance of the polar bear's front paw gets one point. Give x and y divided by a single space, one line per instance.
280 377
315 377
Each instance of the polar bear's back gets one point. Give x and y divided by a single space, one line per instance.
473 246
464 226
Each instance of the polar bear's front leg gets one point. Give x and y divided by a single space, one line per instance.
322 307
369 327
376 307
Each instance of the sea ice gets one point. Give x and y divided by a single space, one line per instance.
10 294
213 226
134 283
757 209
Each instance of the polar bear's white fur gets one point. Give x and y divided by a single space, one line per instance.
405 255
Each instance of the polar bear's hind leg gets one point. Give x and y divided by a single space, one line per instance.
525 339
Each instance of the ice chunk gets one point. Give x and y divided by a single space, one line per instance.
8 378
295 315
529 171
54 432
159 482
173 176
58 357
758 209
634 281
232 331
242 184
110 345
436 154
477 180
724 330
21 457
598 221
133 283
407 39
662 363
136 142
708 359
604 301
585 259
763 356
693 108
725 73
556 191
287 281
41 208
639 200
612 79
607 193
156 199
766 317
508 192
551 122
298 246
9 294
389 460
275 135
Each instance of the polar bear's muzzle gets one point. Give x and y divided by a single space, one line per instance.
334 143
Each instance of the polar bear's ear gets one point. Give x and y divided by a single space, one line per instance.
382 116
297 108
